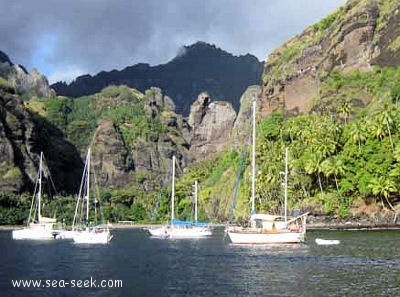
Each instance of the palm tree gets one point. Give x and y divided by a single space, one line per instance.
313 166
325 146
345 109
376 128
358 133
383 187
333 166
386 118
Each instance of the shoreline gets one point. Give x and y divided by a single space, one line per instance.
353 227
314 222
310 226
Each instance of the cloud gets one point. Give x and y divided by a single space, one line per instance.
95 35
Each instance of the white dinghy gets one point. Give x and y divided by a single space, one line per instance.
321 241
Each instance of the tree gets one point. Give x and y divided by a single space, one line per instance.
358 132
333 166
313 166
383 187
385 117
345 109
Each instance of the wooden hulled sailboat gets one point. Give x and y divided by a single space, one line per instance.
268 228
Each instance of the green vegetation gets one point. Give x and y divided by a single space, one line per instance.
345 151
326 22
79 118
4 84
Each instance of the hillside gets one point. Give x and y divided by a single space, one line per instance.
199 67
23 135
331 95
357 36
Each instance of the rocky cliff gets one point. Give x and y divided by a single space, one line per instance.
358 35
133 134
23 82
211 124
199 67
23 136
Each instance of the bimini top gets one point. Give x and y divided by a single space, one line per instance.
201 224
188 223
181 223
264 217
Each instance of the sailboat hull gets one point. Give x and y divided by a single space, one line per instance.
266 238
34 232
159 232
180 232
92 237
65 234
191 232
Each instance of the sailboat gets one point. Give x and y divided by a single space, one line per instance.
87 234
268 228
177 228
39 227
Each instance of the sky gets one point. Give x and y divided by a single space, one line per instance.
63 39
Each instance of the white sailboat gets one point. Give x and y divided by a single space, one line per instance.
88 234
177 228
268 228
39 227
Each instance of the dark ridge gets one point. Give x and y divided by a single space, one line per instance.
198 67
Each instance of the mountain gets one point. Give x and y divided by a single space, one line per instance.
23 82
199 67
23 135
356 37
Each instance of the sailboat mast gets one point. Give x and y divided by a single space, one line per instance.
195 200
81 190
40 186
286 180
173 189
253 160
87 186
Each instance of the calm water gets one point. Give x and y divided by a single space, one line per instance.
366 263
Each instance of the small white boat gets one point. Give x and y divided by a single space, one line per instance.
321 241
92 236
161 232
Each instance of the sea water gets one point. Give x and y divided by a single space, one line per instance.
365 263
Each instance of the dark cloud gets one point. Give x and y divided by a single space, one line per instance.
64 38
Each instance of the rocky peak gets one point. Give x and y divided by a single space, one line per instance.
197 68
241 131
200 51
110 155
4 58
198 109
23 136
25 83
157 102
211 123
